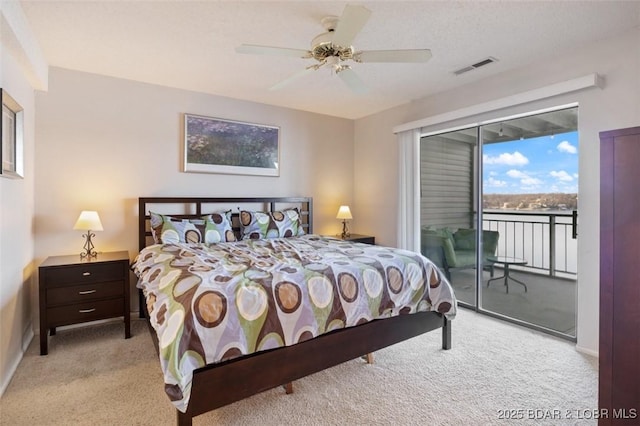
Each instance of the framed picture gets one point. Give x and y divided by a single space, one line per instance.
213 145
11 129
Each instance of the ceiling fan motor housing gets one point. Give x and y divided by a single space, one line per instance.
322 47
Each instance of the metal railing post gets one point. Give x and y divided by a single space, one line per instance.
552 245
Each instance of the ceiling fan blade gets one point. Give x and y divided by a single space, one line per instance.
411 55
268 50
292 78
352 80
349 25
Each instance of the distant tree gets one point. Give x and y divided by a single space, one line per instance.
541 201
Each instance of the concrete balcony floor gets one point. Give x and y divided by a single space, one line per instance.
549 302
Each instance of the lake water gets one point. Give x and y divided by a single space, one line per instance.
529 235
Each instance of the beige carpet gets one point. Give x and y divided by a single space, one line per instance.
93 376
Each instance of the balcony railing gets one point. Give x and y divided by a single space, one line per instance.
546 240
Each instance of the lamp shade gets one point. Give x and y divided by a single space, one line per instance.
344 213
88 221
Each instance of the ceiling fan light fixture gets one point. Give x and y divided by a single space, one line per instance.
339 68
333 61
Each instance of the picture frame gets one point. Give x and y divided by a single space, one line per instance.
12 131
215 145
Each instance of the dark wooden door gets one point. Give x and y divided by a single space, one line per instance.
619 376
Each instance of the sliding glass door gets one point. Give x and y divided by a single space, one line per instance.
447 213
530 197
516 180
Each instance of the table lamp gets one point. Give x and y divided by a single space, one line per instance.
344 213
88 221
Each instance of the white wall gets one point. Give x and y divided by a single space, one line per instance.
22 69
103 142
615 106
16 243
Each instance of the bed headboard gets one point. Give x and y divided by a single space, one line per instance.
191 207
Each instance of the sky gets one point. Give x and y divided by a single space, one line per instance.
548 164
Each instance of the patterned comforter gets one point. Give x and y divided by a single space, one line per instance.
210 303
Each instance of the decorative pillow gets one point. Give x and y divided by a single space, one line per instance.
288 222
448 244
261 225
212 228
297 219
156 220
440 237
447 234
465 239
219 228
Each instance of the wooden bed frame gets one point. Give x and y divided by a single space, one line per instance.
242 377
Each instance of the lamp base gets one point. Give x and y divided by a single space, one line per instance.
345 231
88 252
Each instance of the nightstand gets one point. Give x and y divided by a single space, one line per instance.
358 238
74 290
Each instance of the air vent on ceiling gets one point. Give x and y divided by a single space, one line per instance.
478 64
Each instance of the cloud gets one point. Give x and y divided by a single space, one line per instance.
515 159
517 174
496 183
525 179
566 147
561 175
531 181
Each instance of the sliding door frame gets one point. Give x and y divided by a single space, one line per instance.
478 217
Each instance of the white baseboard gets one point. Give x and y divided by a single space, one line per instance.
26 341
587 351
11 370
27 338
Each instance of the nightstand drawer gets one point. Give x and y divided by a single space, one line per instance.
89 273
82 312
84 292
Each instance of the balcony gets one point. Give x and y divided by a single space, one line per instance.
547 242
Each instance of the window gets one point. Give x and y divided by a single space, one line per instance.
12 137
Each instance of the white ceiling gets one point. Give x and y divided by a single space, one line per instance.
190 45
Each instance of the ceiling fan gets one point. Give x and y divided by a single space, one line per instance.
333 48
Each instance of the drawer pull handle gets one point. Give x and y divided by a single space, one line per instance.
87 311
86 274
87 292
